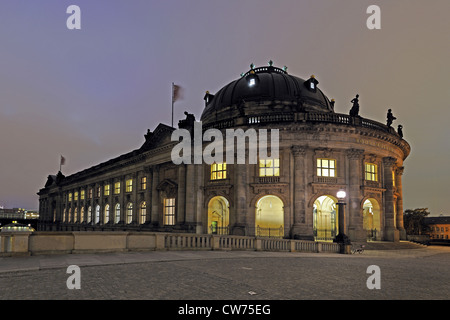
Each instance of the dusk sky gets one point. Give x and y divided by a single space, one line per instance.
91 94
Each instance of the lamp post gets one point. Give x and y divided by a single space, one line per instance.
342 238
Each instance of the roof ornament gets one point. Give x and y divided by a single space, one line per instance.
285 69
390 118
270 63
252 66
354 111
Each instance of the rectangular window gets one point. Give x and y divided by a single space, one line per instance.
269 168
169 211
129 185
326 167
90 193
99 191
75 196
117 188
82 196
70 196
144 183
107 190
218 171
371 172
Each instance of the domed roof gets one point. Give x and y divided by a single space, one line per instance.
269 86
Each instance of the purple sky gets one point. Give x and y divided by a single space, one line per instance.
91 94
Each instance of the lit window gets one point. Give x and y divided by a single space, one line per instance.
218 171
169 211
129 213
75 215
143 212
82 215
371 172
106 190
97 214
75 196
251 82
326 168
90 193
393 178
99 191
312 85
117 214
144 183
106 219
117 187
70 196
269 168
129 185
82 194
89 216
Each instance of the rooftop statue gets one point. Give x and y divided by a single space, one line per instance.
354 111
390 118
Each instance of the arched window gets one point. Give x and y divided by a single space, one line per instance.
89 215
143 212
129 213
82 215
97 214
117 214
70 215
75 215
64 215
106 219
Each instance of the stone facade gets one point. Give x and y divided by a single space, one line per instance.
366 156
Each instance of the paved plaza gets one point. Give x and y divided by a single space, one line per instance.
229 275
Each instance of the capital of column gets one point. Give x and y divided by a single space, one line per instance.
298 150
389 161
355 153
399 171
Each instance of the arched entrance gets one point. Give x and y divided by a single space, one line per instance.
371 219
218 215
325 218
269 218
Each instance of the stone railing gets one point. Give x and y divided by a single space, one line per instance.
27 243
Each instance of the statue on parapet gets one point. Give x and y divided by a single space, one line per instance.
400 130
390 118
354 111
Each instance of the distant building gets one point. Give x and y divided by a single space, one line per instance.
439 227
293 196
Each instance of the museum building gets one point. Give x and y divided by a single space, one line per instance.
294 195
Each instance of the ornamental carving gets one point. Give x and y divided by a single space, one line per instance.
355 153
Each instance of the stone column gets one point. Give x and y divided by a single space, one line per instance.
190 197
181 196
390 231
354 210
155 197
399 216
299 229
241 206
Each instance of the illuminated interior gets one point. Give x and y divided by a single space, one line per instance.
269 220
371 217
218 215
325 218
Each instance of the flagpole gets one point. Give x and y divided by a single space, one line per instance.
172 104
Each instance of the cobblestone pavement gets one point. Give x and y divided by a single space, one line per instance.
225 275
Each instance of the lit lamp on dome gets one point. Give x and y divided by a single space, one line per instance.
341 238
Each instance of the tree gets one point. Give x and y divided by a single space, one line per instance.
413 220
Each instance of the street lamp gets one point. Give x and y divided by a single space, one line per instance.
342 238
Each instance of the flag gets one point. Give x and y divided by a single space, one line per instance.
176 92
63 161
